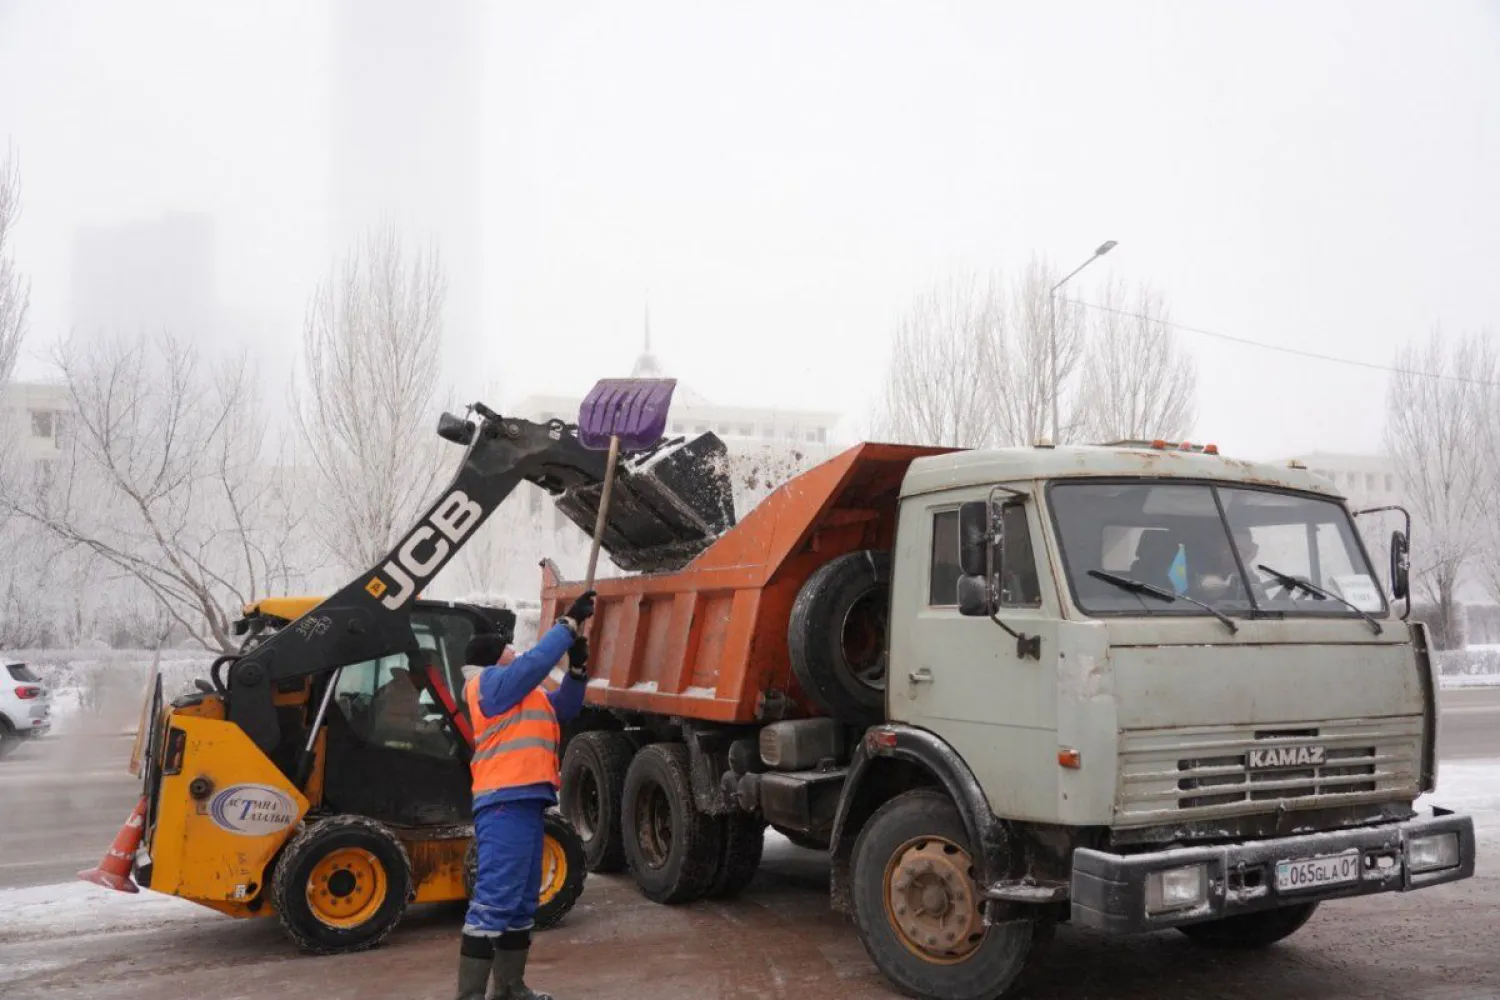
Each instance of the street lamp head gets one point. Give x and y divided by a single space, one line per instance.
1106 247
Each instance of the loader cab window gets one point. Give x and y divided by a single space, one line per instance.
385 708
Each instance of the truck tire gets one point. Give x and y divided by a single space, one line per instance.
1251 931
563 870
916 905
837 636
593 779
744 840
673 850
341 885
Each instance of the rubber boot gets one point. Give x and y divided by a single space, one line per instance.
510 976
476 956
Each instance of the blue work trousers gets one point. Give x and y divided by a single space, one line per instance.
509 881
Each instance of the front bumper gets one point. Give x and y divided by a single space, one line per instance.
1109 890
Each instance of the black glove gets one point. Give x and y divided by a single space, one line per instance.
578 658
582 609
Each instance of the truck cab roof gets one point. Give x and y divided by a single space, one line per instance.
981 466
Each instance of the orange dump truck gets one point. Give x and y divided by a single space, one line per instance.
1014 687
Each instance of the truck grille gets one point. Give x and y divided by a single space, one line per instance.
1175 774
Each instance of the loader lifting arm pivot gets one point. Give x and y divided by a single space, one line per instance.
670 504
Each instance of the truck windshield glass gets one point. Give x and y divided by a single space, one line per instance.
1205 542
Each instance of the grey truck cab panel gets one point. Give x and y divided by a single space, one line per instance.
1176 651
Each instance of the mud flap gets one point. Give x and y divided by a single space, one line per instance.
669 505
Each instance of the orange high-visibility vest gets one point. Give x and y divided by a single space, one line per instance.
516 748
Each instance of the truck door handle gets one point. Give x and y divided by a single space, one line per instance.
923 676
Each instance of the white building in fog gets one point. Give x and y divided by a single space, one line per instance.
37 415
1366 480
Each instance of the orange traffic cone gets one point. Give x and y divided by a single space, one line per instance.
114 871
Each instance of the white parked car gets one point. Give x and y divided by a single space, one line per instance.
25 706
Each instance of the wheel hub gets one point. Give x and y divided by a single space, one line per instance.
931 900
346 888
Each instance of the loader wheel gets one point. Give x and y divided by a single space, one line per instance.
1250 931
593 780
837 636
672 848
563 870
916 904
739 860
342 884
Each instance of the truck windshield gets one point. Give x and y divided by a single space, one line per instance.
1207 542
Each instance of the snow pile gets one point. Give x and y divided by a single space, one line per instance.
83 908
1471 787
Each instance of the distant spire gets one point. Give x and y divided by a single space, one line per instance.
646 366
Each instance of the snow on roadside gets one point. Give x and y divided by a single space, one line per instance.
73 908
1469 680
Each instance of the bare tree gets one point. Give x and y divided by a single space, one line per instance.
1137 381
15 291
1436 406
372 344
165 481
935 389
1020 360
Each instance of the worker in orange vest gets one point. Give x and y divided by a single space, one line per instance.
516 778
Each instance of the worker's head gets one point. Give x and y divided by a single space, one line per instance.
484 650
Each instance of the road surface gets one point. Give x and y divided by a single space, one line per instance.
62 800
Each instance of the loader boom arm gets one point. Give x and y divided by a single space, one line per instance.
370 616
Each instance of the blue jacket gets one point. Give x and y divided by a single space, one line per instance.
502 688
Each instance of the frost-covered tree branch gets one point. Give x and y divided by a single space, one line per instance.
1137 382
163 480
367 407
15 291
1433 429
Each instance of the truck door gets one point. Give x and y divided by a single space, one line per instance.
964 678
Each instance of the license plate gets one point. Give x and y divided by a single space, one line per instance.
1315 873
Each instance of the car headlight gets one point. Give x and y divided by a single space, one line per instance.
1176 889
1426 854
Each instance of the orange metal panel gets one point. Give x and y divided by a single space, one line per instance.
720 625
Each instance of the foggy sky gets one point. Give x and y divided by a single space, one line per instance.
783 178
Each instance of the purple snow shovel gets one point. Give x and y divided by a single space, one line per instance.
621 414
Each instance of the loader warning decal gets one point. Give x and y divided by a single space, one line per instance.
252 810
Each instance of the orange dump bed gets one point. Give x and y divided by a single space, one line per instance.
710 642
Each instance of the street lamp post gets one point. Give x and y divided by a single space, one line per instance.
1102 249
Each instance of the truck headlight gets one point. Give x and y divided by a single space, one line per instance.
1176 889
1426 854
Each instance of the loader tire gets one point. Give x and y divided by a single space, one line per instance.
593 781
837 636
341 885
563 870
739 860
673 849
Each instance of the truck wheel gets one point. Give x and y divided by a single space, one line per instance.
341 885
916 904
563 870
673 849
744 839
837 636
1250 931
593 779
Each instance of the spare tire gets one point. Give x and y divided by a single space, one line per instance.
837 636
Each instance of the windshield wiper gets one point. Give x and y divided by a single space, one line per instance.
1297 583
1137 587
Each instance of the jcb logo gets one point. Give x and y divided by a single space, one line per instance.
425 550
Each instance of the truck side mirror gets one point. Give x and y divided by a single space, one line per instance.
974 600
974 538
1400 565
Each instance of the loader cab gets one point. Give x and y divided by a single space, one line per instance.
387 751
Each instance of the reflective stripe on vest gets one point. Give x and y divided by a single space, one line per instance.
516 748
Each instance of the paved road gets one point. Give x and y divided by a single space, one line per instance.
778 941
1469 724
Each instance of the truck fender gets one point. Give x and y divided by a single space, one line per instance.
890 744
